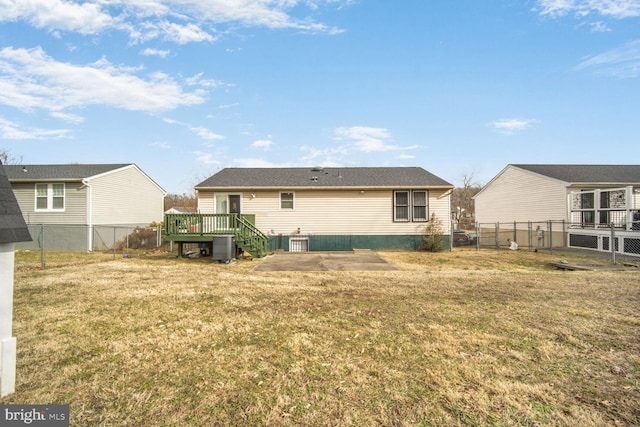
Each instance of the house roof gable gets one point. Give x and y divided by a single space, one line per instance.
12 227
587 174
369 177
69 172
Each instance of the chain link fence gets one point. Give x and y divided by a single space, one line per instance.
48 238
563 235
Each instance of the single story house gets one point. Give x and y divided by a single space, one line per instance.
74 200
325 209
579 196
12 230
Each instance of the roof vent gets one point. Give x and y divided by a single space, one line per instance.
314 178
317 169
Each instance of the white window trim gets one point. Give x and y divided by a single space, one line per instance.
410 206
50 207
293 207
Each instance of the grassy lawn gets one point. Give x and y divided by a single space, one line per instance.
455 338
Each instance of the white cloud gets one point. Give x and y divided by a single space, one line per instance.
255 163
265 144
180 21
11 130
622 62
205 133
67 117
511 126
161 144
29 79
183 34
581 8
83 17
369 139
206 158
197 80
599 27
155 52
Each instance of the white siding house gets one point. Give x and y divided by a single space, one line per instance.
562 205
331 207
521 193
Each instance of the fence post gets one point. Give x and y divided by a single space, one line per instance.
497 235
550 233
612 244
530 234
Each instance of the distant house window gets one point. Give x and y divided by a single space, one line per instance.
286 200
49 197
410 206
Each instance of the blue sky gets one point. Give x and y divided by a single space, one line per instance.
184 88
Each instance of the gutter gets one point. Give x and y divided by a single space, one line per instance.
89 214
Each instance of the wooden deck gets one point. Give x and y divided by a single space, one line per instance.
200 228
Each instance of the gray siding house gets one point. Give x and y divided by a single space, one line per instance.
311 209
85 196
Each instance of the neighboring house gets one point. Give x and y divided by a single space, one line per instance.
12 230
582 196
85 196
322 209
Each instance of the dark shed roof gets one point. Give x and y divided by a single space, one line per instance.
12 226
323 177
605 174
58 172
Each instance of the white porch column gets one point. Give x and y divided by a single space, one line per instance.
7 342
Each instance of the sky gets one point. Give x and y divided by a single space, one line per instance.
184 88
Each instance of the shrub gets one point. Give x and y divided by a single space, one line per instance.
433 240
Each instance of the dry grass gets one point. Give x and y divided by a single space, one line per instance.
460 338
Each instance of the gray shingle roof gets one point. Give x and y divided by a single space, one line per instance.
69 172
605 174
323 177
12 226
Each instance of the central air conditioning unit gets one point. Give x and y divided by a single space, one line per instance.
224 248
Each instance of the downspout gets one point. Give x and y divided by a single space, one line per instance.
89 215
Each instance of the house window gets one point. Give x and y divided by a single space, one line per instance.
401 206
587 204
49 197
286 200
410 206
420 207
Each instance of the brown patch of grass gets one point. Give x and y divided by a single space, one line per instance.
455 338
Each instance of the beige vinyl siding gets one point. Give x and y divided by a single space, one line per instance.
75 203
125 196
332 211
205 202
519 195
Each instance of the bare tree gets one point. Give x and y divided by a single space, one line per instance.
462 205
182 202
8 159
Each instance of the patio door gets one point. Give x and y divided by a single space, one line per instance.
226 204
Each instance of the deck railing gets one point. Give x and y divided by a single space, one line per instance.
201 224
247 235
